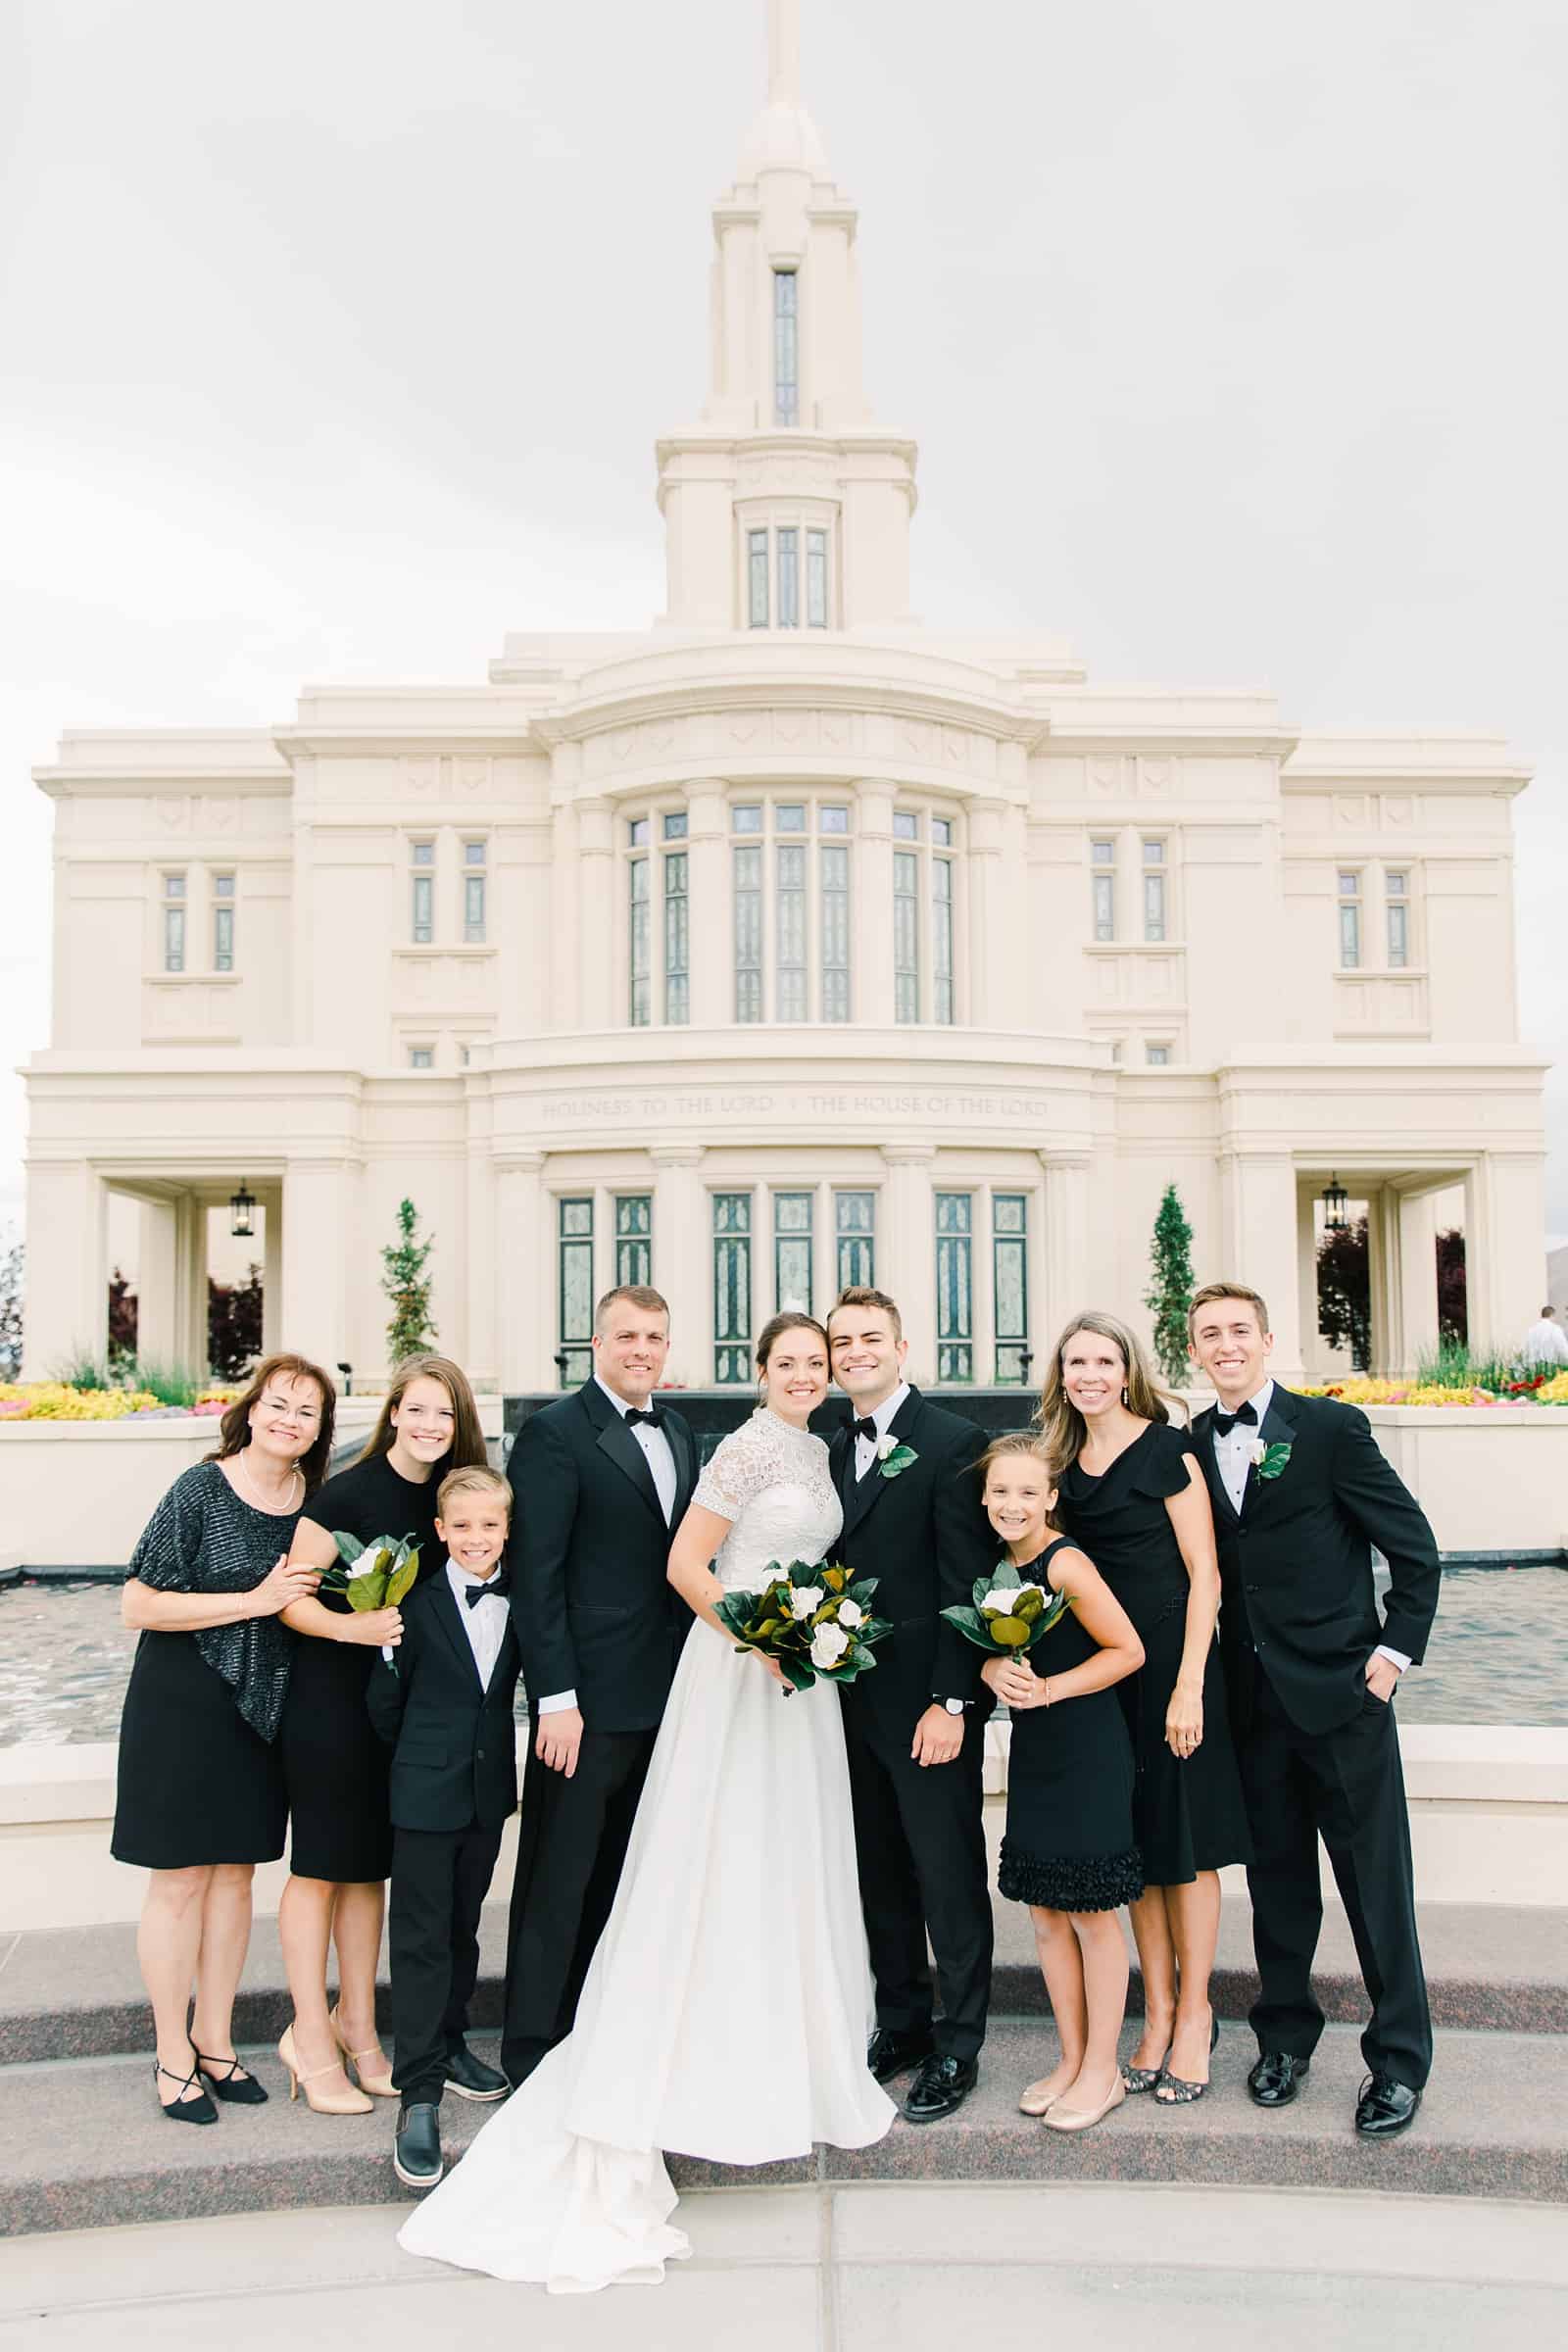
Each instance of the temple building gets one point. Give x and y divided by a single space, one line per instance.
785 944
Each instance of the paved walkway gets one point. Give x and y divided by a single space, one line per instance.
864 2269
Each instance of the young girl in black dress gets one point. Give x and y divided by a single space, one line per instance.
1068 1851
340 1835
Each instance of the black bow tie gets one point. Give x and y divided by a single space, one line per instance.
1224 1423
634 1414
865 1427
497 1586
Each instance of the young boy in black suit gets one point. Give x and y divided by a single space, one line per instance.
445 1706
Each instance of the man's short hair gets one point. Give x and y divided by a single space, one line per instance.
1546 1313
1227 1289
861 1294
635 1294
475 1480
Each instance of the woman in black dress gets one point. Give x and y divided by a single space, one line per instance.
1068 1851
1133 1493
334 1765
200 1798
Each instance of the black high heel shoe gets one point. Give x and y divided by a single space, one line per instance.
1174 2091
233 2083
198 2110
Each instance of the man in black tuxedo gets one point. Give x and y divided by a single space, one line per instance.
602 1480
914 1728
1300 1494
444 1704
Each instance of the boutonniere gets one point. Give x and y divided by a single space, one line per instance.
1269 1460
893 1457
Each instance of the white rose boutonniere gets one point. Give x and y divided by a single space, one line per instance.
894 1457
1255 1453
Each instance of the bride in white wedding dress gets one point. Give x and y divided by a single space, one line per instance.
727 2007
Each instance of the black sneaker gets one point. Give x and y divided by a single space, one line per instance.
416 2156
472 2079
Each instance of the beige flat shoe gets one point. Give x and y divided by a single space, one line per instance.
1029 2105
346 2101
1079 2118
378 2080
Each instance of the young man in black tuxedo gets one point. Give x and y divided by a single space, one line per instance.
445 1706
1301 1493
915 1728
602 1481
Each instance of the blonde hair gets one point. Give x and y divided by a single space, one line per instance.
1011 1444
474 1481
1062 1428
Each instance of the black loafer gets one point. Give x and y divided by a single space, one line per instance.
940 2088
1277 2077
1385 2107
472 2079
892 2051
416 2156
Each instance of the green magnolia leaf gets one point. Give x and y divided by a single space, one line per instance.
1008 1633
861 1594
366 1592
402 1581
1274 1460
799 1673
972 1626
348 1547
1053 1614
1005 1577
1030 1607
902 1459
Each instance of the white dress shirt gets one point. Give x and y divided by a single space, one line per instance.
1544 1343
485 1624
1233 1453
866 1451
655 1451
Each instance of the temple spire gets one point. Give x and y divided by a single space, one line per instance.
783 52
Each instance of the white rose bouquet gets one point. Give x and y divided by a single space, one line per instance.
812 1619
1010 1615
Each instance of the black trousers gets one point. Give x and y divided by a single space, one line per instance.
572 1843
440 1878
1347 1788
920 1850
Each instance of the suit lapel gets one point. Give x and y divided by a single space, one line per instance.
1278 1428
445 1610
861 1494
619 1445
1204 1436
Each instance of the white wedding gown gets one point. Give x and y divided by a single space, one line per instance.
726 2010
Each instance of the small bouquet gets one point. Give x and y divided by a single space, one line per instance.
372 1576
812 1619
1010 1614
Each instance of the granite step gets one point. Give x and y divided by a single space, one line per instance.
77 1993
83 2144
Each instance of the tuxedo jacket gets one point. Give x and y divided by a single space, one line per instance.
454 1747
590 1549
926 1538
1296 1562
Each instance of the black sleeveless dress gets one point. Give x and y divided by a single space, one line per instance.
1188 1812
335 1766
1070 1842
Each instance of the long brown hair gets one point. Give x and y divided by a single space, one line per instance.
1062 1428
790 1320
234 1429
467 1450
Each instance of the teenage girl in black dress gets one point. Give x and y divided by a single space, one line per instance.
340 1849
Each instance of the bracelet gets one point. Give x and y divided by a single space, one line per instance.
1046 1681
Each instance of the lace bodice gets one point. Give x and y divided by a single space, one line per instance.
774 1484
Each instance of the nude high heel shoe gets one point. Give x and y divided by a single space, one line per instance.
380 2085
343 2102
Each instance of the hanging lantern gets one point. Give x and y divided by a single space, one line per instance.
1335 1200
242 1214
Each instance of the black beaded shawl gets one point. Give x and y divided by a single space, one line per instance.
204 1539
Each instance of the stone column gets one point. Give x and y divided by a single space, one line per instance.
600 932
1066 1250
320 1228
710 927
190 1287
683 1260
1504 1224
1258 1238
871 913
272 1273
157 1282
524 1333
1418 1277
906 1250
67 1278
995 934
481 1257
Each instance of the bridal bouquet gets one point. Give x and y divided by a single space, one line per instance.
812 1619
372 1576
1010 1614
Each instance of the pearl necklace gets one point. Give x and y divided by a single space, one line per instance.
271 1510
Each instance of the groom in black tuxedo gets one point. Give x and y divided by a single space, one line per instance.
602 1480
1300 1494
914 1728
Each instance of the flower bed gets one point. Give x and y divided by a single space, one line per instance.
1531 1388
61 1401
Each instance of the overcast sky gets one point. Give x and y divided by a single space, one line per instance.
336 334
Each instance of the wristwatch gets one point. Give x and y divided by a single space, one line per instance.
955 1706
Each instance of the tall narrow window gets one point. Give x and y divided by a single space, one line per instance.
854 1232
1010 1246
748 935
677 940
732 1289
1350 906
816 580
835 932
173 923
954 1286
757 579
1153 889
941 939
792 1252
786 348
1397 897
906 935
1103 862
641 1008
789 578
222 922
574 1357
421 856
634 1239
474 876
788 899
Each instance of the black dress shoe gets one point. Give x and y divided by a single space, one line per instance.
892 2051
417 2150
472 2079
1385 2107
1277 2077
940 2088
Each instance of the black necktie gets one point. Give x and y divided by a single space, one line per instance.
865 1427
499 1586
634 1416
1224 1423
